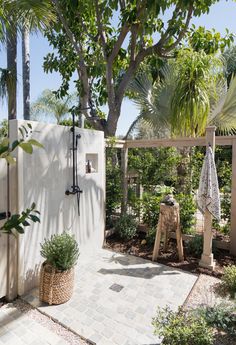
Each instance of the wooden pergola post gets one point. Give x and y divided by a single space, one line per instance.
207 259
124 181
233 202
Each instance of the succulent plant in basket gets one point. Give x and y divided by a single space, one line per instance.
61 252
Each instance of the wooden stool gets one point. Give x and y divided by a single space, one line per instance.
169 220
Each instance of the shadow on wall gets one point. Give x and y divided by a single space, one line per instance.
47 174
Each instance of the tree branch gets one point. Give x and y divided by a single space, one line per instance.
82 70
182 32
101 31
123 33
157 49
133 41
66 27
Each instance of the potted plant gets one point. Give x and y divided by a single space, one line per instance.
57 272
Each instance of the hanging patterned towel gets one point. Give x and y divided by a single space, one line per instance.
208 197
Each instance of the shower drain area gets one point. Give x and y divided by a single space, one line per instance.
116 287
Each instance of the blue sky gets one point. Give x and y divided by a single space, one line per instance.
222 15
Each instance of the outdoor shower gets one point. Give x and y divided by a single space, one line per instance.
75 189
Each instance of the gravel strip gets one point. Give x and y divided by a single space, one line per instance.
203 293
70 337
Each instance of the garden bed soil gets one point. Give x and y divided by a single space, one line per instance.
170 258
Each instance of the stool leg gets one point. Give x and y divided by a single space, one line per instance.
179 240
157 241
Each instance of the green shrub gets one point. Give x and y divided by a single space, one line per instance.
151 236
151 209
229 280
113 185
61 251
188 209
220 316
126 227
182 328
195 246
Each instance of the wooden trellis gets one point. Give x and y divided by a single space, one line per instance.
210 137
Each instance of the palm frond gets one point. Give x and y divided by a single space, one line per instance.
223 114
36 14
7 80
153 100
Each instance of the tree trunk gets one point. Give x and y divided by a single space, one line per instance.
12 67
26 72
112 120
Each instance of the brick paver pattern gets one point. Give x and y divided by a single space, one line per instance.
120 316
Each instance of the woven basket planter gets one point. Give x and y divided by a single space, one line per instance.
55 287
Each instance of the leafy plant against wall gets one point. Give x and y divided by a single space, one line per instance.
18 222
6 148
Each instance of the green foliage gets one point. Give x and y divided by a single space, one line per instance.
151 209
230 63
209 41
151 236
49 106
195 246
18 222
155 166
113 185
61 251
126 227
223 158
221 317
229 280
187 212
182 328
195 85
3 129
25 144
96 48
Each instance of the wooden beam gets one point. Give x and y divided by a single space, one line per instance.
180 142
124 181
118 144
220 140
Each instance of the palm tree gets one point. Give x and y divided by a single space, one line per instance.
49 107
191 95
12 68
230 63
34 15
26 71
25 16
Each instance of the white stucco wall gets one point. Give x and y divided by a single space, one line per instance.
43 178
3 237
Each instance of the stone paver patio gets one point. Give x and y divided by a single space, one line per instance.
17 328
116 297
